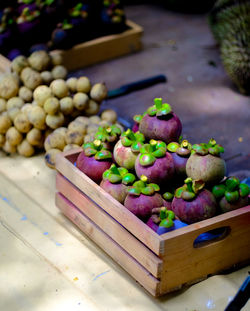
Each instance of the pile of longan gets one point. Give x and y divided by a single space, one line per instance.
36 98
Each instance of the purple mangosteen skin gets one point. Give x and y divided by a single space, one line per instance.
152 224
117 191
124 156
227 207
161 171
142 205
179 164
167 128
135 127
167 204
91 167
202 207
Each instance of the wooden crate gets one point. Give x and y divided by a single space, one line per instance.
160 263
97 50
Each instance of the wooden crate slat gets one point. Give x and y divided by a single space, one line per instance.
65 165
110 226
103 48
195 263
121 257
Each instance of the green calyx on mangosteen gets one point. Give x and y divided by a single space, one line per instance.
118 175
150 152
132 140
208 148
166 218
231 189
168 196
159 109
108 133
190 189
183 149
96 149
142 187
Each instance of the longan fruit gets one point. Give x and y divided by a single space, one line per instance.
22 123
59 88
41 93
13 136
55 121
35 137
50 157
71 83
5 124
66 105
51 105
83 85
80 101
25 149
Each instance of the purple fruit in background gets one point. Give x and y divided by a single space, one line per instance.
160 123
127 148
115 182
94 160
142 198
192 203
13 54
180 153
155 162
28 20
205 163
231 194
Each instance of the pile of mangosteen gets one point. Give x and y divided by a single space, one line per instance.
54 24
164 180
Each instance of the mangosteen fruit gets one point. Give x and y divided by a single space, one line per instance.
231 194
180 153
160 123
116 181
108 135
193 203
155 162
205 163
94 160
127 148
142 197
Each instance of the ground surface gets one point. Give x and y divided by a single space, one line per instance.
182 47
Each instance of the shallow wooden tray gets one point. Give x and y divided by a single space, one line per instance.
160 263
97 50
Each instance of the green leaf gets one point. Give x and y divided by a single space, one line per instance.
151 111
89 151
171 215
103 155
114 178
179 191
128 179
158 103
197 185
168 196
149 190
126 142
136 146
159 153
155 186
167 223
134 191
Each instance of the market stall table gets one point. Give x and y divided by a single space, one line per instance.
46 263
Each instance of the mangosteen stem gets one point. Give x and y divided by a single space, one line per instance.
158 103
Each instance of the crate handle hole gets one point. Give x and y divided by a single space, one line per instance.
211 236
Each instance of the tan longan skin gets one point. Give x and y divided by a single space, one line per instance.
92 108
13 112
109 115
8 148
26 108
92 128
50 157
3 104
89 137
41 94
39 60
83 120
37 117
8 86
25 149
77 126
61 130
19 63
46 76
56 58
66 105
59 72
74 137
14 102
95 119
35 137
2 140
22 123
83 85
55 121
54 140
99 92
70 147
31 78
51 106
26 94
5 123
80 101
71 83
59 88
13 136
